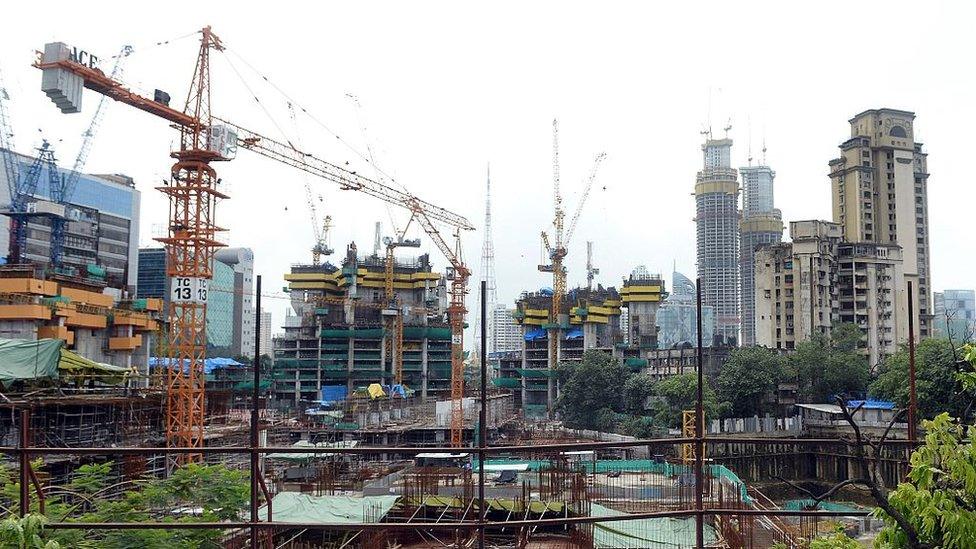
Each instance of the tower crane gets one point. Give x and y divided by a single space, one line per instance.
21 186
591 271
194 191
558 248
393 310
321 246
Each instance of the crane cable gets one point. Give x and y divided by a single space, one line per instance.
301 107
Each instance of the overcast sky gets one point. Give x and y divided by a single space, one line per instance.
446 88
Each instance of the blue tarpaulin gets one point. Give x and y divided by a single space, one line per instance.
872 404
209 364
333 393
536 334
396 390
575 333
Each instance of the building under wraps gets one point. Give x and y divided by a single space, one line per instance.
344 333
717 222
592 321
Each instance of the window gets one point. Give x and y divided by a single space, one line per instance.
897 131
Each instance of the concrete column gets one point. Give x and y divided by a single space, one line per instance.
350 361
423 370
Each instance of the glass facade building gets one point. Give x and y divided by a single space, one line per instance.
103 226
955 314
220 309
153 282
677 318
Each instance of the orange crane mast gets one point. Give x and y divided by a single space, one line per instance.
191 242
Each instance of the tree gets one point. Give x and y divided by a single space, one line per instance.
25 533
636 390
678 393
936 506
936 387
830 366
591 394
748 377
218 493
939 499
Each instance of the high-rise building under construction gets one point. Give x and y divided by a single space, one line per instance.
760 223
717 220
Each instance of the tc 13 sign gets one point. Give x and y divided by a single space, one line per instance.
188 289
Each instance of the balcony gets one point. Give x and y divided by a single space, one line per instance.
124 343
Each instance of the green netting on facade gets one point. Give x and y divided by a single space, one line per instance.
535 373
264 385
358 333
507 382
636 362
416 332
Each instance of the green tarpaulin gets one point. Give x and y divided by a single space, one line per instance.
295 507
74 365
655 533
25 359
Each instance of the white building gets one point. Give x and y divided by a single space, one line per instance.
242 261
504 333
266 329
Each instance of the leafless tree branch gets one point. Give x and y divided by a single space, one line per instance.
870 466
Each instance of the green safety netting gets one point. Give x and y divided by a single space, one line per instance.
507 382
305 508
264 385
636 362
429 333
496 504
535 373
358 333
800 504
655 533
636 465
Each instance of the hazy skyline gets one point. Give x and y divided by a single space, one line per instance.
445 89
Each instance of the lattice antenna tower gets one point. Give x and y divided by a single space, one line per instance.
487 266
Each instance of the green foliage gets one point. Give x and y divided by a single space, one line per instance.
679 393
940 495
936 384
748 377
215 492
837 540
636 390
828 366
591 395
641 427
25 533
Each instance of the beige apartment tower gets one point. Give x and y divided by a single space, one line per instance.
795 291
880 196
